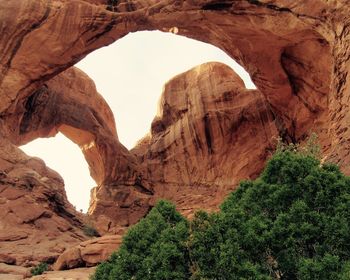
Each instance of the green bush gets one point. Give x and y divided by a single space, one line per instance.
155 248
293 222
90 231
39 269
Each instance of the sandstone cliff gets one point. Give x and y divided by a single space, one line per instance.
209 134
36 221
210 131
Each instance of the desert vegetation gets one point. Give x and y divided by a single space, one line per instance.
39 269
90 231
290 223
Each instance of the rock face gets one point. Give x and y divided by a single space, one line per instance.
69 103
33 199
73 274
209 133
33 210
88 253
13 272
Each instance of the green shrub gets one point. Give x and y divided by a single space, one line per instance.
39 269
155 248
90 231
293 222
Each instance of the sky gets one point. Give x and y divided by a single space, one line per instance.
130 75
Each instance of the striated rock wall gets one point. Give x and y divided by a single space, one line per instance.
274 41
37 223
210 131
88 253
69 103
296 53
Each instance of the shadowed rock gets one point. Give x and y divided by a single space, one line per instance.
210 131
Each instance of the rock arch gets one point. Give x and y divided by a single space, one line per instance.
295 54
69 103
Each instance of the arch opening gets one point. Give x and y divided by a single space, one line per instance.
130 75
65 157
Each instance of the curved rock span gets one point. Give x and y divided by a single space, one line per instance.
210 131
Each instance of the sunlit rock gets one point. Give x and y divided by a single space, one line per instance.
296 53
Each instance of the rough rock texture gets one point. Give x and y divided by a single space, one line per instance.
16 272
11 277
34 206
210 133
297 53
199 148
88 253
276 41
36 221
69 103
73 274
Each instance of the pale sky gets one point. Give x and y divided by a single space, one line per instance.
130 75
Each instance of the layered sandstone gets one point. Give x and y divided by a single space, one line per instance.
210 131
275 41
69 103
296 53
88 253
73 274
13 272
36 221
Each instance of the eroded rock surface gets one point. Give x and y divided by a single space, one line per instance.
88 253
210 131
13 272
69 103
73 274
37 223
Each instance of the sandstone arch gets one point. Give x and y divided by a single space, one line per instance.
296 54
69 103
265 49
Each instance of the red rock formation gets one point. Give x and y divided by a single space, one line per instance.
36 221
13 272
76 274
88 253
297 54
243 29
69 103
210 133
